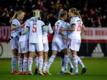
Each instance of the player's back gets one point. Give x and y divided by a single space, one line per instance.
76 24
35 31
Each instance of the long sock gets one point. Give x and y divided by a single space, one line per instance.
13 63
75 61
20 64
36 62
80 62
66 62
70 62
25 64
44 66
40 63
30 61
51 59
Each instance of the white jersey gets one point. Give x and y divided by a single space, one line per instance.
77 25
46 29
15 33
58 42
35 34
58 25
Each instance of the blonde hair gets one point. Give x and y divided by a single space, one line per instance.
74 11
16 14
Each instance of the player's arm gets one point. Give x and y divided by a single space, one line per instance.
26 30
71 28
13 27
62 31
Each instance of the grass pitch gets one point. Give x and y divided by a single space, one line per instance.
96 70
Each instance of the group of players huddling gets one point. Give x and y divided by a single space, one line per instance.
29 42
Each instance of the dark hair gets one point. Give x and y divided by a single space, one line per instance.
62 13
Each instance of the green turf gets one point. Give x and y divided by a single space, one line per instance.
97 70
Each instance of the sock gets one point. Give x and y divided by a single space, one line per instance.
70 62
25 64
30 61
36 62
44 66
80 62
20 64
75 61
40 63
66 62
51 59
13 63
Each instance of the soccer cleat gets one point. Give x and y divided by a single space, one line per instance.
29 73
68 73
20 73
83 70
40 73
14 72
48 73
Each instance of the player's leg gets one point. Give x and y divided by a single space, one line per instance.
36 59
30 58
14 59
40 57
25 56
45 55
52 57
74 48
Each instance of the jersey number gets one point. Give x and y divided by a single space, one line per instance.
34 29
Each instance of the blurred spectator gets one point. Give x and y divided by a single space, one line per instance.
93 12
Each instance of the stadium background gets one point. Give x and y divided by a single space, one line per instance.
93 13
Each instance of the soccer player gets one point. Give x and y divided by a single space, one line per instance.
58 43
46 29
15 29
23 49
36 44
76 26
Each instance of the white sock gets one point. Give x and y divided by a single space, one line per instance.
66 62
20 64
70 62
44 66
25 64
80 62
13 63
51 59
40 63
30 61
36 62
75 61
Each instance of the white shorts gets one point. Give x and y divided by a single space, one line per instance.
75 44
33 47
45 47
23 46
58 45
14 43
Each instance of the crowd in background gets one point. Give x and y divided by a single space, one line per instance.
93 12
